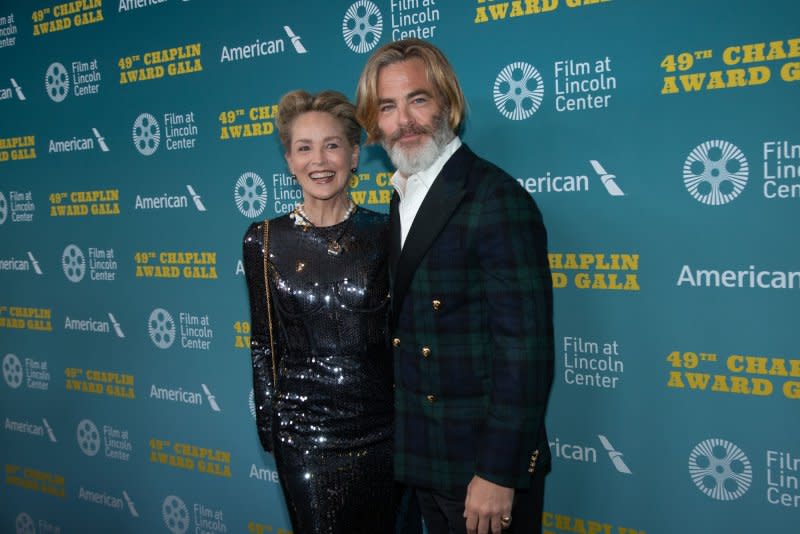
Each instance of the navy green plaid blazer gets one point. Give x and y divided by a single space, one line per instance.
472 332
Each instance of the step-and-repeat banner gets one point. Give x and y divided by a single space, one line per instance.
138 142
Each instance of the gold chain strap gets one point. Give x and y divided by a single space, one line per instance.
269 306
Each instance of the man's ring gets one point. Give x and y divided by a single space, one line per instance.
505 521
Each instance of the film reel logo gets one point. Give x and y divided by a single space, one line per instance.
176 515
146 134
720 469
56 82
518 91
3 208
25 524
250 194
74 263
362 26
161 328
715 172
12 371
88 437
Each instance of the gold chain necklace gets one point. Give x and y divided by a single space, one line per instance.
334 247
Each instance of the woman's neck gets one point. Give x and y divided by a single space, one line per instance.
327 212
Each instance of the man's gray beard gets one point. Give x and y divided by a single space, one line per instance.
414 160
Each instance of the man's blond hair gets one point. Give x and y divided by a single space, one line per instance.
437 68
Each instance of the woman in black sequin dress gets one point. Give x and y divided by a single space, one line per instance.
323 387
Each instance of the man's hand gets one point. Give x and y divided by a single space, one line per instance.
486 503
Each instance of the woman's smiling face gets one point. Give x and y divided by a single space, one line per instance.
320 156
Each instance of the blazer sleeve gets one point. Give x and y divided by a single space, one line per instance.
512 247
261 355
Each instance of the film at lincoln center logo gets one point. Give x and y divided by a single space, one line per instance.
715 172
161 327
88 437
146 134
175 514
12 370
720 469
250 194
56 82
362 26
73 262
3 208
25 524
518 91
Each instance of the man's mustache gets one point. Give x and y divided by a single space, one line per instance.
415 129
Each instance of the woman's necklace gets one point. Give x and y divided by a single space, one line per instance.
334 247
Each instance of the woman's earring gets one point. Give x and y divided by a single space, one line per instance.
353 170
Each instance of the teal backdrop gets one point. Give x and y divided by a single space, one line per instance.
137 143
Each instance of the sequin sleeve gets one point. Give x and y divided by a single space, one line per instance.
261 355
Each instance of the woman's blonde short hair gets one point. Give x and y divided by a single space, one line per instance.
295 103
439 71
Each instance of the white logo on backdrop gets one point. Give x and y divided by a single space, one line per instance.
715 172
176 515
295 39
74 263
50 433
131 505
116 325
25 524
196 198
3 208
250 194
161 328
609 180
615 455
362 26
12 371
88 437
146 134
34 263
56 82
17 89
212 399
518 91
101 141
720 469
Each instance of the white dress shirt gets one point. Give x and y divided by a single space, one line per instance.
412 190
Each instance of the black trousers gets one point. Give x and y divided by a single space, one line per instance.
445 515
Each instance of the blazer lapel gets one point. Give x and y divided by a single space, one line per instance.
394 235
436 210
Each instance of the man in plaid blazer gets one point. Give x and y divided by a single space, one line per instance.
471 305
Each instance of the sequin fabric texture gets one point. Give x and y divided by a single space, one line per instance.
329 423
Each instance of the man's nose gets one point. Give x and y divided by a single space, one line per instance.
403 116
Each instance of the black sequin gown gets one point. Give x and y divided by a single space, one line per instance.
330 423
